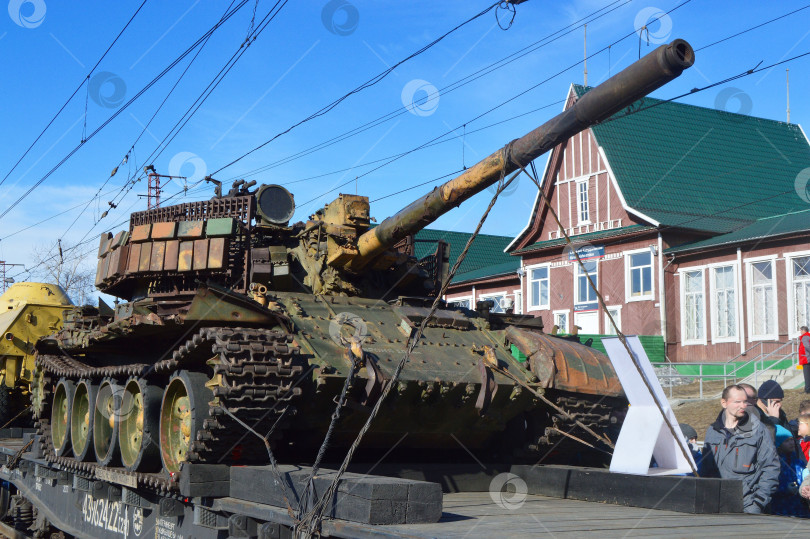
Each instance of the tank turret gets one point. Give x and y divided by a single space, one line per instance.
28 311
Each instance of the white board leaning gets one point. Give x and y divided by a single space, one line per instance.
644 433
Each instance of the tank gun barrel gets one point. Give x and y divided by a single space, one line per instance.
661 66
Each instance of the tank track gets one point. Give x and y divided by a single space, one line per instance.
255 373
593 413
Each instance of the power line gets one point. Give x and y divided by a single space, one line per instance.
123 107
460 83
752 28
514 56
401 154
203 96
533 87
138 138
84 81
54 216
371 82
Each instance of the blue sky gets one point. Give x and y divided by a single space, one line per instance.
312 53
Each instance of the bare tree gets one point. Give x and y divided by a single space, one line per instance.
68 266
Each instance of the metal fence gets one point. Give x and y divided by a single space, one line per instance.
783 355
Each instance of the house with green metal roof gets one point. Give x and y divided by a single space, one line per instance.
487 272
669 220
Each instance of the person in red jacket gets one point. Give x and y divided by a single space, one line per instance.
804 351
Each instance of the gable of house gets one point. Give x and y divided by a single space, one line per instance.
702 169
674 166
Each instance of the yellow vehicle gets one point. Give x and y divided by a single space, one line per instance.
28 311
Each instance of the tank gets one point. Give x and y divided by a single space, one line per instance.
240 332
28 311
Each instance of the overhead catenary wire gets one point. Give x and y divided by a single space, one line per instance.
367 84
146 127
513 57
757 69
127 187
724 39
752 28
207 91
490 110
69 99
479 73
122 108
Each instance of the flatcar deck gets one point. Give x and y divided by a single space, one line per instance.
473 514
93 508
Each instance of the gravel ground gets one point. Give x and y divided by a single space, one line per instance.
700 414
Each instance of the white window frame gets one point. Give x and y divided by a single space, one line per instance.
628 281
491 295
793 329
462 298
518 297
618 318
579 183
528 279
749 291
682 274
577 269
712 303
567 313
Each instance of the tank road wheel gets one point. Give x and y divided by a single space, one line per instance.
184 408
60 416
81 420
138 427
105 423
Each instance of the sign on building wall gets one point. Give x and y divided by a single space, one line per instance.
584 294
587 251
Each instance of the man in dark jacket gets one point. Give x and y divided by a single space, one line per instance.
737 446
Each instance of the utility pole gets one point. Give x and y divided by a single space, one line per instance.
585 46
153 191
787 77
6 280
